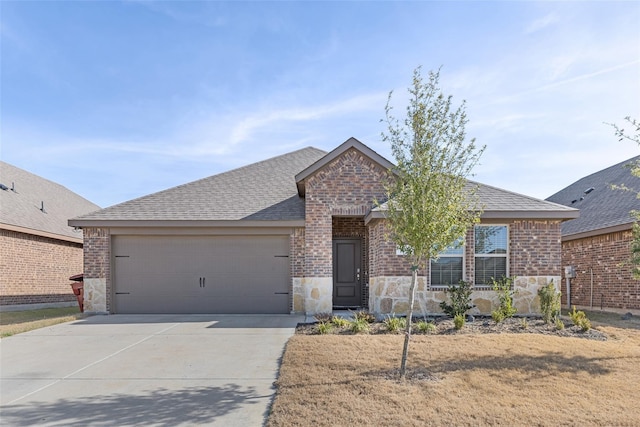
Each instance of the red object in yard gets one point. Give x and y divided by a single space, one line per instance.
78 289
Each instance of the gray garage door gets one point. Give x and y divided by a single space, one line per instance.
201 274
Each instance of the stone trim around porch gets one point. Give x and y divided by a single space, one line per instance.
312 295
389 295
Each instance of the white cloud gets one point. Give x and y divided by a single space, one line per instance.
542 23
268 119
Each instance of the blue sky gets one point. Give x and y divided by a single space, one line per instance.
115 100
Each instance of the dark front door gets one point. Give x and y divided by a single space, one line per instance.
347 272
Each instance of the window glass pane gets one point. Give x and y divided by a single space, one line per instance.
446 271
491 239
488 267
452 250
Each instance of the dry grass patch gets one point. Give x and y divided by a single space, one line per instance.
605 318
15 322
484 379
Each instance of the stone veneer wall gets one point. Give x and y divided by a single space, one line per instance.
607 257
346 187
97 270
389 295
36 269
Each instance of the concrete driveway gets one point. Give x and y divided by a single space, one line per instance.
158 370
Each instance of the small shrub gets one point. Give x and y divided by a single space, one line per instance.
524 323
497 316
505 295
425 327
458 321
559 324
395 324
364 315
325 328
323 317
549 302
460 296
580 319
358 326
339 322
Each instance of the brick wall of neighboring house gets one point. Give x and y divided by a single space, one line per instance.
606 257
346 187
35 269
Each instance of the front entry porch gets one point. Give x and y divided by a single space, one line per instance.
350 263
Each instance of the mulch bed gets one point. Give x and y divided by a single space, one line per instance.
479 325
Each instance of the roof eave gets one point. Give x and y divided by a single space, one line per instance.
598 232
563 215
95 223
499 214
41 233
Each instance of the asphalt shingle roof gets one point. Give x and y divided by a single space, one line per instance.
22 207
266 191
499 203
496 199
260 191
603 206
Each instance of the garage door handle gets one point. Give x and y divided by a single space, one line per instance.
123 293
281 293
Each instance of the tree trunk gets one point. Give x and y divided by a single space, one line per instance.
407 332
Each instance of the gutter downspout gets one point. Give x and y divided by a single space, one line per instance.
591 296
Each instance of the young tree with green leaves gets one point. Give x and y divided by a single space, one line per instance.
430 204
634 136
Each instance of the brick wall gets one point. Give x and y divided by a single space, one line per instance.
607 257
382 253
296 243
36 270
535 248
97 258
346 187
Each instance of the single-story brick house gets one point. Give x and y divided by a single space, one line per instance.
300 233
598 244
39 250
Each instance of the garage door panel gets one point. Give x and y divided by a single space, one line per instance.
201 274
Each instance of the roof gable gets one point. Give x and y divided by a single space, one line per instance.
601 207
337 152
35 205
262 191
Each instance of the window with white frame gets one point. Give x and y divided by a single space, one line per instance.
491 253
448 269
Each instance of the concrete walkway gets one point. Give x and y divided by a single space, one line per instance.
152 370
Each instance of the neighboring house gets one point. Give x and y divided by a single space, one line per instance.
39 250
300 233
598 244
